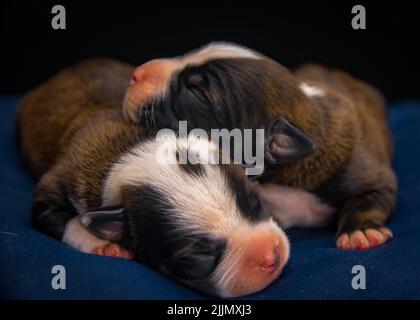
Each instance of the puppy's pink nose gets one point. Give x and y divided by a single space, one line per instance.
148 82
271 260
138 75
153 71
264 252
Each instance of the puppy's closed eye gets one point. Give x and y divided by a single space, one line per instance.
197 260
195 80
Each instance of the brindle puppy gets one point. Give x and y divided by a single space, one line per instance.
326 131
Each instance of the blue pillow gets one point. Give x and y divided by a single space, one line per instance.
317 270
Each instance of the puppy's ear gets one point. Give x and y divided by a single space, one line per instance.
107 223
284 142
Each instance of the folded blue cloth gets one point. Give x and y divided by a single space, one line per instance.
317 270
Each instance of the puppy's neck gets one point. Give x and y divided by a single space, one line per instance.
328 119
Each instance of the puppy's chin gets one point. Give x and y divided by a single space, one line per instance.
131 107
137 97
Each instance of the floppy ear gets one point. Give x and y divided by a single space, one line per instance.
107 223
284 142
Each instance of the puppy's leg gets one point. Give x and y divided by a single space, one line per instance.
54 215
51 211
78 237
362 220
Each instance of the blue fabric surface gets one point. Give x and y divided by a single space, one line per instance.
317 270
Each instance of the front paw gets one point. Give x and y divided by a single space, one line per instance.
113 250
364 239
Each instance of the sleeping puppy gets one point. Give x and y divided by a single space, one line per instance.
325 132
102 190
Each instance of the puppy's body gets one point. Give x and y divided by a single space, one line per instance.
326 131
50 109
351 168
103 191
55 122
346 119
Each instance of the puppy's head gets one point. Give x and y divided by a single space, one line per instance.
200 224
224 85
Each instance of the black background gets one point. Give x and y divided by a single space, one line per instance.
291 32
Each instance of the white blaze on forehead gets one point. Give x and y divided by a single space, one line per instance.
203 202
311 91
217 50
212 51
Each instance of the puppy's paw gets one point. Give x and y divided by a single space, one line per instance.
366 239
113 250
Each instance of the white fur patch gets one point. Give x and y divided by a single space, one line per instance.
216 50
293 207
78 237
205 201
311 91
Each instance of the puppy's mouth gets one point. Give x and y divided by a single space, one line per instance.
138 108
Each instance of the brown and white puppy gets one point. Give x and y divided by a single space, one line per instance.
325 132
102 191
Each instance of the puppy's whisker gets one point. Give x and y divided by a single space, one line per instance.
152 113
230 272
